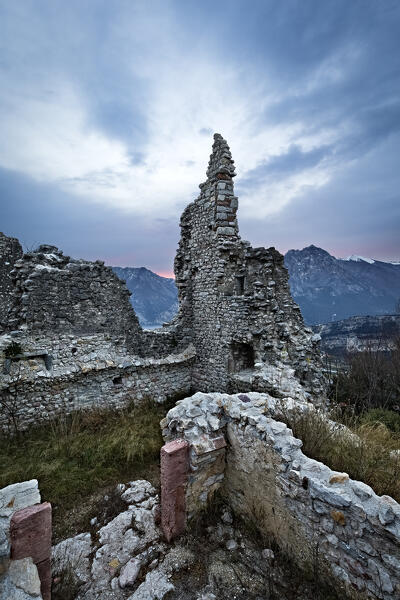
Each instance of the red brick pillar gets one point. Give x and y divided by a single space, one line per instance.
30 534
174 475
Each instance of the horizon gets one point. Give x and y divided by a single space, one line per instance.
106 134
171 275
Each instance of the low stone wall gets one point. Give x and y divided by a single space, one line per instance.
83 373
325 520
25 543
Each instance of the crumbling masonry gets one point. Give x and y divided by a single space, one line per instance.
80 343
71 340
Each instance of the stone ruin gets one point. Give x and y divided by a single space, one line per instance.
71 340
239 446
78 343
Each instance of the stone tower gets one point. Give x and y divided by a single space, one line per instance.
235 301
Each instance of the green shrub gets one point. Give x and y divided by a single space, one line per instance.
13 349
377 416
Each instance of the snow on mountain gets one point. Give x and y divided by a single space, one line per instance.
330 289
356 258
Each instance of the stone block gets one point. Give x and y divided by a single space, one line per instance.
225 231
17 496
174 475
30 533
44 570
30 536
24 575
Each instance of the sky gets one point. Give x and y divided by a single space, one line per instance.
107 111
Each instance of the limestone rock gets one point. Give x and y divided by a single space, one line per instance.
155 587
24 575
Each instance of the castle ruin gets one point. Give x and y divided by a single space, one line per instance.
80 343
72 341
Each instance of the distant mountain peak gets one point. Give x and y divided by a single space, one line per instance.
154 298
330 289
310 250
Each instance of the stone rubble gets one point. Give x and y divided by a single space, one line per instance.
216 560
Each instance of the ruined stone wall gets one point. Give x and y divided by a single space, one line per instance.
61 374
235 310
235 300
80 344
54 293
322 518
10 252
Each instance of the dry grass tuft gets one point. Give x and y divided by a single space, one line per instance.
367 452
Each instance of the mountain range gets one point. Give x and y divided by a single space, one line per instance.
326 288
154 298
330 289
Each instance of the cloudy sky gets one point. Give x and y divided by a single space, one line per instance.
107 110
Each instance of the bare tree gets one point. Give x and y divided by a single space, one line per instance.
10 402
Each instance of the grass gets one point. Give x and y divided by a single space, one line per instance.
76 456
367 456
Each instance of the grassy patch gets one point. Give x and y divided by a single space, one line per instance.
369 455
76 456
389 418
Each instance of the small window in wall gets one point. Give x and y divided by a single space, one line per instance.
242 357
117 381
239 285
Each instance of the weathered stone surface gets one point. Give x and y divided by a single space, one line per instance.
73 554
30 536
155 587
10 252
23 574
30 533
130 535
174 475
303 503
129 572
44 571
13 498
17 496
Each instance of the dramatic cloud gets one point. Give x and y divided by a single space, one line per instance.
107 112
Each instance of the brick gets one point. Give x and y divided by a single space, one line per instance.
44 570
174 476
30 532
30 536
